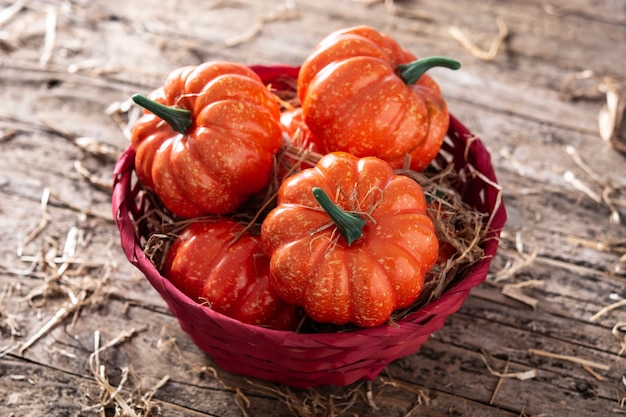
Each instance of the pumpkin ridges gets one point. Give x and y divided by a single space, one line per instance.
217 264
297 232
247 117
350 105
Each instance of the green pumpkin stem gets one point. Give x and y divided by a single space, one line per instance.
350 225
178 119
412 71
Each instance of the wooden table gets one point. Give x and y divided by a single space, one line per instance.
83 333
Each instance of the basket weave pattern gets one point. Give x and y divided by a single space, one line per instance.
307 360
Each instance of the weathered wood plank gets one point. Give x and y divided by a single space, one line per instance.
21 384
517 104
455 361
536 33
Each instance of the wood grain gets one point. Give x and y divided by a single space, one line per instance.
534 105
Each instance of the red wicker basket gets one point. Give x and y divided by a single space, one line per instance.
308 360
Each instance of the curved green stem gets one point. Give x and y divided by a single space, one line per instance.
178 119
350 225
412 71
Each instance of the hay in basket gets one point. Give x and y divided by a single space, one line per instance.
326 355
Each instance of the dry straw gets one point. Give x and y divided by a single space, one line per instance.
469 217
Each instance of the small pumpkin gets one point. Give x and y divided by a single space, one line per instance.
218 264
349 241
363 94
207 139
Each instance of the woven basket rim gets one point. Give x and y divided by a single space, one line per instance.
134 253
